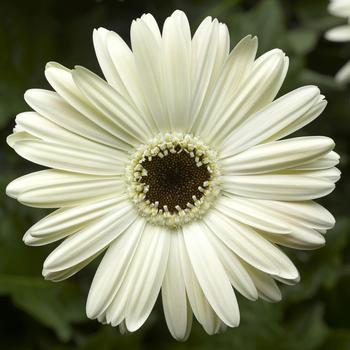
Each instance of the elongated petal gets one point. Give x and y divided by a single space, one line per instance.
250 246
236 272
266 286
339 8
113 269
210 274
149 265
299 123
62 274
115 312
33 241
299 238
327 161
89 241
176 59
343 75
339 34
178 314
278 155
249 98
105 60
146 46
66 221
237 67
252 214
202 310
308 213
53 155
128 123
55 188
54 108
125 66
60 78
281 114
44 129
204 47
284 187
18 136
331 174
152 25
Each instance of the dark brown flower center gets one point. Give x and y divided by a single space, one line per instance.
173 180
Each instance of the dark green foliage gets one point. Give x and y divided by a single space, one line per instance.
36 314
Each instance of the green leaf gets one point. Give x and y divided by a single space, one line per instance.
54 305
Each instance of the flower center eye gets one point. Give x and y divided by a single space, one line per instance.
173 179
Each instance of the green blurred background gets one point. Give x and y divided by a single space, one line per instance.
36 314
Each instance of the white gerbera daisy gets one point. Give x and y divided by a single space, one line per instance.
174 167
340 8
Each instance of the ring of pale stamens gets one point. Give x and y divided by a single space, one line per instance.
165 154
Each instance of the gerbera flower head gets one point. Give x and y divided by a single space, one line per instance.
174 169
340 8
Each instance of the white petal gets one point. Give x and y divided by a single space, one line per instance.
328 161
176 59
286 114
277 155
266 286
60 78
202 310
204 46
250 97
250 246
149 265
127 122
62 274
18 136
115 312
152 25
66 221
105 60
54 108
113 269
299 238
339 8
343 75
339 34
284 187
274 84
236 69
237 274
210 51
252 214
331 174
90 240
308 213
57 156
222 52
305 119
211 274
125 66
53 188
178 314
146 46
44 129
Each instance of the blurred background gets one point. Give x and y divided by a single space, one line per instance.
37 314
